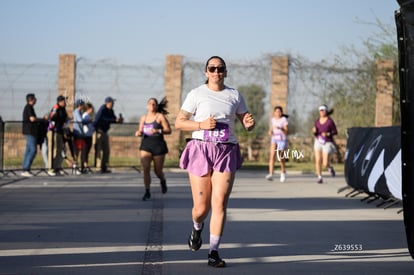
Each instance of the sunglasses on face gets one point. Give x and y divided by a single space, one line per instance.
220 69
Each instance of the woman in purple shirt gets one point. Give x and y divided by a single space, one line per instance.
324 130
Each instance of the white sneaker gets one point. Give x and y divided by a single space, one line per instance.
51 173
269 177
60 172
26 174
282 177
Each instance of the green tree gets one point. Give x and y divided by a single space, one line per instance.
347 83
254 96
294 122
354 96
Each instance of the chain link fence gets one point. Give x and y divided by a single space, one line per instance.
133 85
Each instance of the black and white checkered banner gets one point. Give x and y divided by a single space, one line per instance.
373 161
404 19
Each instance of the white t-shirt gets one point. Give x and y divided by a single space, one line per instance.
222 105
277 125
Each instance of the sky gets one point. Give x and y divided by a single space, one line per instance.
135 31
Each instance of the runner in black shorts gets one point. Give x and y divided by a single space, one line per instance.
152 128
154 144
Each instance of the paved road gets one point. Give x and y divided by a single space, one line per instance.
97 224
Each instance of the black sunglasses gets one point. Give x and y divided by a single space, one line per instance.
220 69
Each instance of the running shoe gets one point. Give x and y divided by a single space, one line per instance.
76 172
51 173
332 171
60 172
163 186
320 180
214 260
194 241
282 177
269 177
26 174
146 196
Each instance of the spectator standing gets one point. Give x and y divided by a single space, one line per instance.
78 135
88 130
58 117
103 119
42 139
30 131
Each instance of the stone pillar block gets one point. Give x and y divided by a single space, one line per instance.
384 99
280 81
173 89
67 79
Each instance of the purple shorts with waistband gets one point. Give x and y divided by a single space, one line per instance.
200 157
281 144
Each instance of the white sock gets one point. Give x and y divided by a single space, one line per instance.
214 242
197 225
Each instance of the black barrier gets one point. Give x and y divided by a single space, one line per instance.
405 31
373 161
1 145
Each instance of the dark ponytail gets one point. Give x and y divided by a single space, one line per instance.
162 106
281 110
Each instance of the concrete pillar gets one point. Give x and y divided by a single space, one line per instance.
280 80
66 79
173 88
384 99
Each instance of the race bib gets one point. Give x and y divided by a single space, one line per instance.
147 129
219 134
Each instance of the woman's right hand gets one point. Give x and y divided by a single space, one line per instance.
209 123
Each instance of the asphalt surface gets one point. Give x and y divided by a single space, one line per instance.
98 224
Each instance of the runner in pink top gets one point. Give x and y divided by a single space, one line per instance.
278 142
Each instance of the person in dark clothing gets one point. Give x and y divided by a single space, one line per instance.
103 119
30 132
68 151
152 128
42 139
57 120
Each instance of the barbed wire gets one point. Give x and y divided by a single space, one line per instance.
133 85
